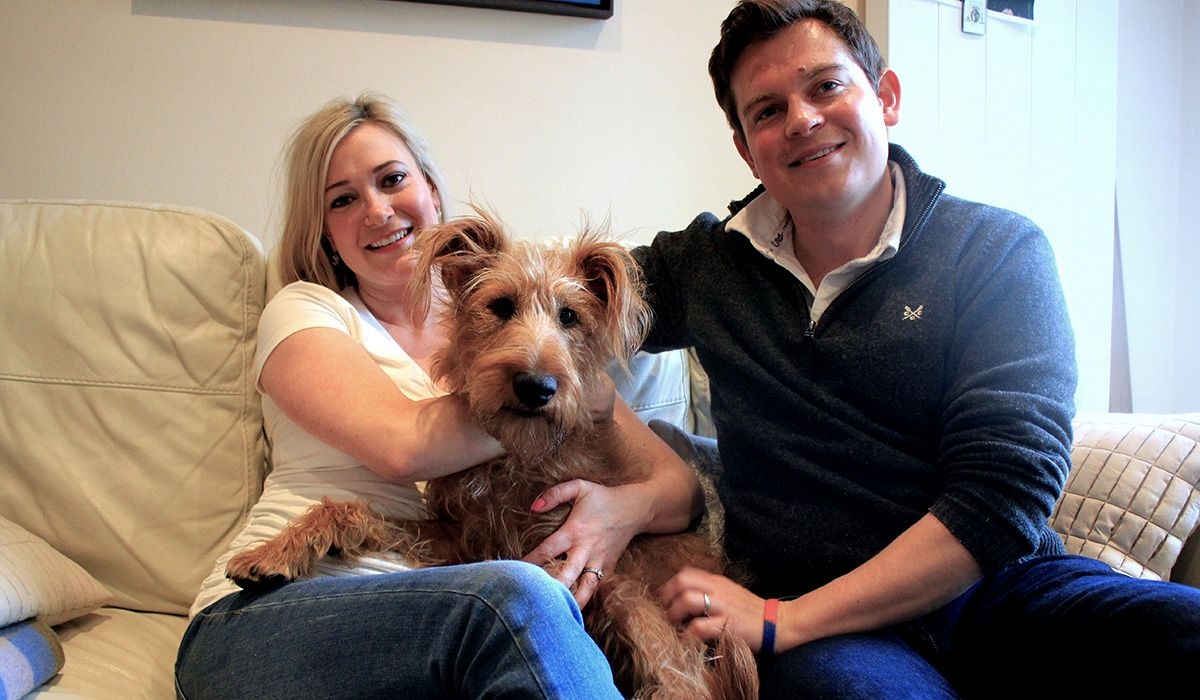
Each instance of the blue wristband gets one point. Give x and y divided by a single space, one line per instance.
770 610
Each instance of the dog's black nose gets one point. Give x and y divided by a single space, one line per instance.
534 390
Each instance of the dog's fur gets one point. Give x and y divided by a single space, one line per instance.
531 327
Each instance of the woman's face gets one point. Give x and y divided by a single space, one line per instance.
376 198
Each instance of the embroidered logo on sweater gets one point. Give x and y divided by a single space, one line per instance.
911 314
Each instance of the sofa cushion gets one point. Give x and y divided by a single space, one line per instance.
37 581
115 653
132 438
1133 495
657 387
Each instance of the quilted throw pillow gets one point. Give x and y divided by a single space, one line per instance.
37 581
1133 495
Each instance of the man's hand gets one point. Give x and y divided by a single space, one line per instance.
706 604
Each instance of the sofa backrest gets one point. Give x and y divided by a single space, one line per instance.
130 428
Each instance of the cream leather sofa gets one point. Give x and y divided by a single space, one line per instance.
131 440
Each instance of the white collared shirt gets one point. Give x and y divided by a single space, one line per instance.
769 227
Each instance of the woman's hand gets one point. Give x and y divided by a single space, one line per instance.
604 519
706 603
596 532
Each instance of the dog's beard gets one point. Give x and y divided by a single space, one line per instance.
530 437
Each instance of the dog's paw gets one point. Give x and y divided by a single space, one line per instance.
251 571
260 583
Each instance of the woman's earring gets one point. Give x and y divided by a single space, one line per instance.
335 259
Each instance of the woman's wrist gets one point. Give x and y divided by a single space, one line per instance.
667 502
640 498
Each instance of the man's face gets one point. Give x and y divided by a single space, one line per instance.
815 131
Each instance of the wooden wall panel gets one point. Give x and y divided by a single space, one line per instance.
1022 117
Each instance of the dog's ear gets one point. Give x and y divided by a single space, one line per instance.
613 277
455 251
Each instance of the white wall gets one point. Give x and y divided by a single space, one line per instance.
1087 109
544 117
1158 185
190 102
1186 360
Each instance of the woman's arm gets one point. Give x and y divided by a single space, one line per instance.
325 382
604 519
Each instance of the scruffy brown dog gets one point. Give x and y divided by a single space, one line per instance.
532 325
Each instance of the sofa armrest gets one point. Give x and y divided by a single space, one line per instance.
1187 567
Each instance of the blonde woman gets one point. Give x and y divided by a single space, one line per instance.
351 412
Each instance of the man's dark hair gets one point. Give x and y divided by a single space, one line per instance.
752 21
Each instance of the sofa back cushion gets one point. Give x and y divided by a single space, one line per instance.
657 387
131 433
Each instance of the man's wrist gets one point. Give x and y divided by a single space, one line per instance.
770 617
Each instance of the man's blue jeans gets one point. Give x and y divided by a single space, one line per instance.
490 630
1053 627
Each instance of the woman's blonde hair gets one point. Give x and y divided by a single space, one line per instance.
303 253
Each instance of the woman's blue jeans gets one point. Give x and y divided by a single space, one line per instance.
1053 627
490 630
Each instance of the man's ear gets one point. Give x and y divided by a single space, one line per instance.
740 144
889 96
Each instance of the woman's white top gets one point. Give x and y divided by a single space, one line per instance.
304 469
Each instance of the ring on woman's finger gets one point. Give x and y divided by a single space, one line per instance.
593 570
707 604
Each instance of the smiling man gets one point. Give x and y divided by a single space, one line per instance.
892 373
813 128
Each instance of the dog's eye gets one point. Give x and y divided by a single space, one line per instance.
567 317
503 308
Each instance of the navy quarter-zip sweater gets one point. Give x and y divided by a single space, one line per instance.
940 381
